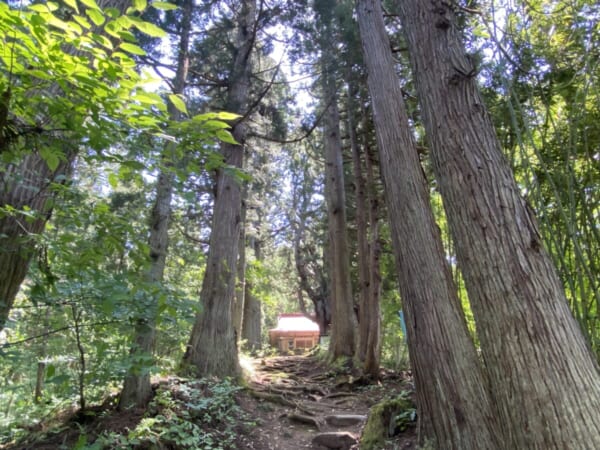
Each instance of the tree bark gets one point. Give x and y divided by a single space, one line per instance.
240 288
362 239
545 380
369 345
251 330
373 354
343 331
28 183
25 185
212 349
455 410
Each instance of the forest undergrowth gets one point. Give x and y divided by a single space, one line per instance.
287 402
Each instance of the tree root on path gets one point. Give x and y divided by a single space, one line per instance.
305 419
338 395
273 398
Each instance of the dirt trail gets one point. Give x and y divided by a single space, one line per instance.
298 402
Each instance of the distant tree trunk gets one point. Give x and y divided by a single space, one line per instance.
251 331
314 282
373 354
544 378
28 183
454 406
343 332
240 288
212 349
368 347
42 355
137 389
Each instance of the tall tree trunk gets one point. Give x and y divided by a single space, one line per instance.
28 183
362 239
545 380
454 406
251 330
318 295
240 288
212 349
343 332
137 389
373 353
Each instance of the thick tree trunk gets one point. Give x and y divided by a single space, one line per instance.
25 185
251 330
454 406
343 332
212 349
545 380
28 183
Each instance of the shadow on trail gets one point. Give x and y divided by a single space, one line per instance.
299 402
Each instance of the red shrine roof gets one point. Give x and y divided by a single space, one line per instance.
295 322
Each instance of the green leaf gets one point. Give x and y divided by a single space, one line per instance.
51 158
140 5
40 74
165 6
132 48
91 4
82 21
95 16
50 370
210 125
148 98
72 4
148 28
113 180
178 103
127 36
38 7
224 115
226 136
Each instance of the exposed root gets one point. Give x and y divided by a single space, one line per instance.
315 422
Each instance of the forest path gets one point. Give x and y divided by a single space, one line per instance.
300 402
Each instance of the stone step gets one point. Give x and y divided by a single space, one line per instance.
338 440
345 420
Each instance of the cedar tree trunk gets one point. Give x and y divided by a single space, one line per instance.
544 379
343 331
455 410
212 348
